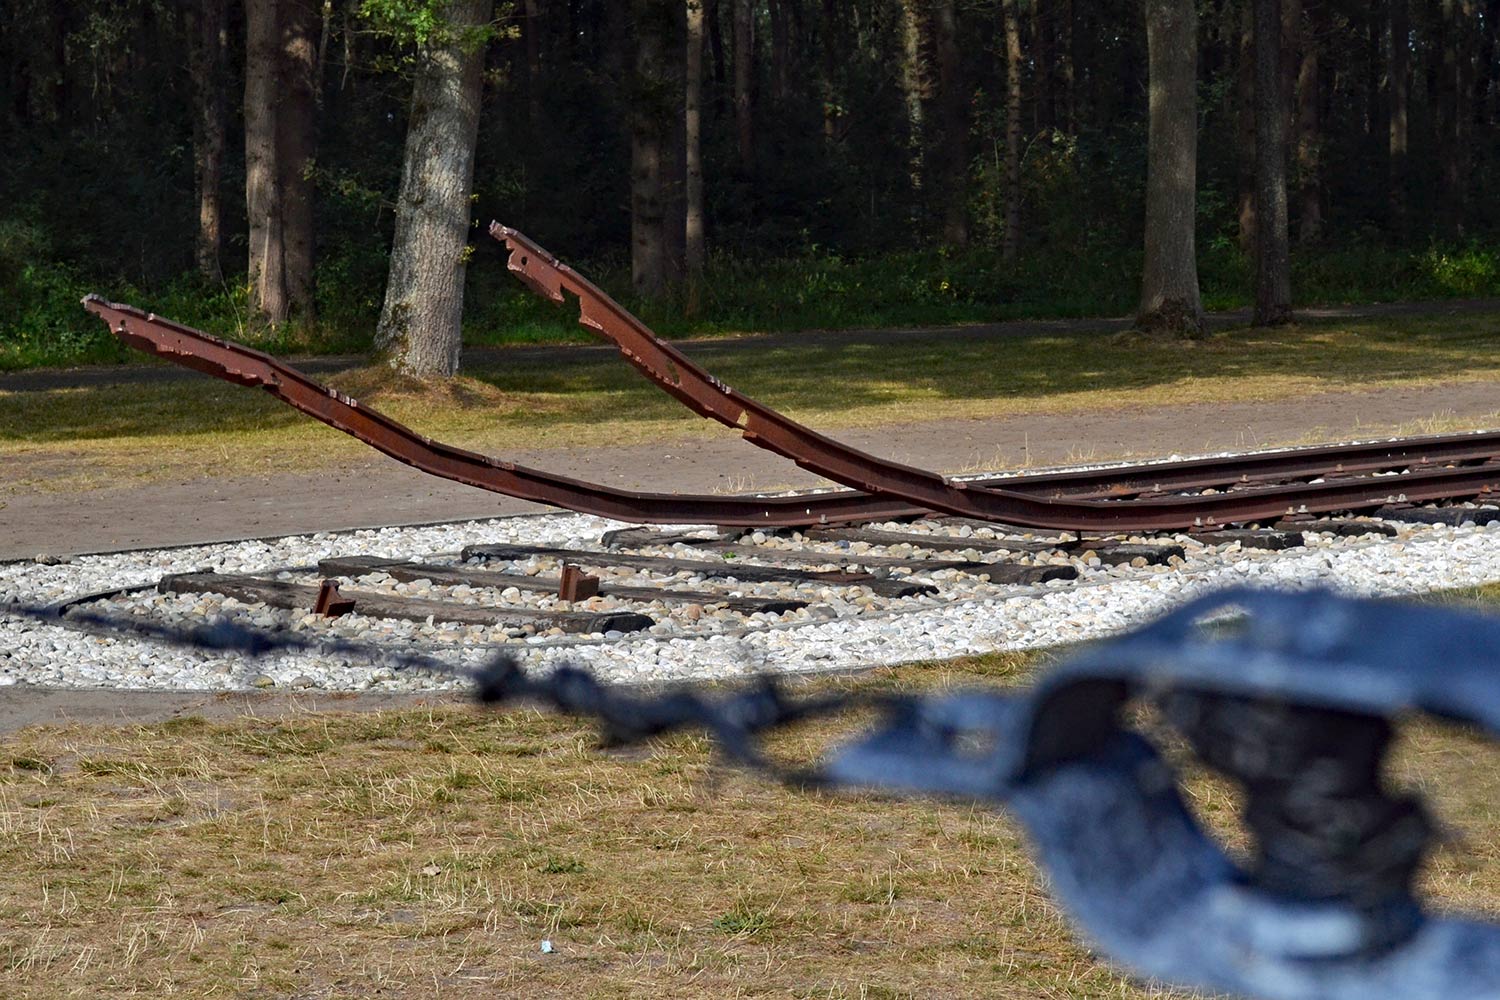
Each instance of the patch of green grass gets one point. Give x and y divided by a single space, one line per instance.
44 325
743 919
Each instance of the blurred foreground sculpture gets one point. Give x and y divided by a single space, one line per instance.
1294 698
1292 695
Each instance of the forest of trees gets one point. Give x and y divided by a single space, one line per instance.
302 162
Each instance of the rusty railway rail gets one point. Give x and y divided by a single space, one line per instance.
1195 495
248 367
765 427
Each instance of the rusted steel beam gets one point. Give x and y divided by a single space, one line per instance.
330 602
765 427
1005 499
248 367
576 585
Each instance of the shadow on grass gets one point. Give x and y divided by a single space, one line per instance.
820 378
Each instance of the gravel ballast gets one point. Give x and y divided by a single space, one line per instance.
839 629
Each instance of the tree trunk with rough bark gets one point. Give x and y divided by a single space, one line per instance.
1398 17
953 98
828 65
781 50
1170 300
208 56
651 128
296 137
1488 87
915 88
263 193
674 172
1375 66
420 329
1244 89
531 35
1065 68
718 62
1043 66
1306 22
744 76
1273 287
1457 111
1010 241
693 154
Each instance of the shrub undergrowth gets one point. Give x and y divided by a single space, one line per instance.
42 324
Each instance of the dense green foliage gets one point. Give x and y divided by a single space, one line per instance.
827 225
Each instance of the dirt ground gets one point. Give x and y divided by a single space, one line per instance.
378 491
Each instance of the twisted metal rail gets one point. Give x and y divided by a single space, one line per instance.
767 428
1453 466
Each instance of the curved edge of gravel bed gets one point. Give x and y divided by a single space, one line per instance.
1423 559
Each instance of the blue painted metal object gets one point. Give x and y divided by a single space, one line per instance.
1293 699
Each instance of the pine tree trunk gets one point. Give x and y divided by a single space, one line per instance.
1489 67
1010 241
208 47
296 137
693 153
1444 97
1169 288
1244 88
828 65
1375 69
1273 295
781 50
650 132
674 164
914 88
717 59
954 101
420 330
531 36
1308 97
1464 26
1043 67
263 195
1065 69
744 75
1399 74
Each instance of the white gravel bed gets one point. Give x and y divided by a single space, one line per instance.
842 628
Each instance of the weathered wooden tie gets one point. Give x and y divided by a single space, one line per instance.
468 576
297 596
728 568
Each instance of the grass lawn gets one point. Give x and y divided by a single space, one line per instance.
199 426
428 852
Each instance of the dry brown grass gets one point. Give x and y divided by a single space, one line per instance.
428 852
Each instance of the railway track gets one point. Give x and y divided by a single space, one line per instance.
893 536
1203 495
687 582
